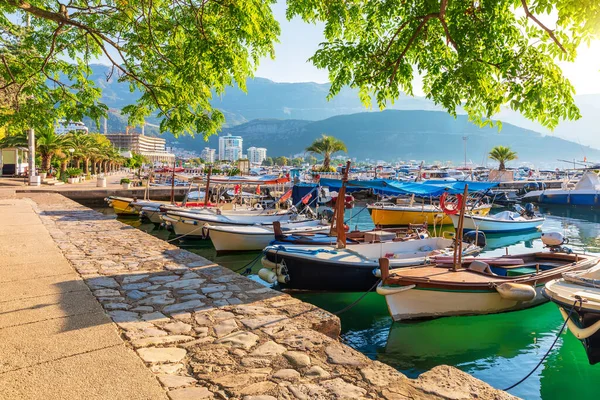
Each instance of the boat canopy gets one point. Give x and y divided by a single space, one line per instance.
245 180
431 188
589 181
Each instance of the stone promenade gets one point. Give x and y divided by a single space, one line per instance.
92 308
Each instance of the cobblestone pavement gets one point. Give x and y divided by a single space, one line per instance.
206 332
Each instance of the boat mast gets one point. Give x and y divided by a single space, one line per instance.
207 185
340 204
459 234
173 182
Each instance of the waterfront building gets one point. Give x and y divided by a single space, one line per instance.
257 155
208 155
230 147
153 148
63 127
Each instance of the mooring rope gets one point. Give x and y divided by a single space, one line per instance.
549 350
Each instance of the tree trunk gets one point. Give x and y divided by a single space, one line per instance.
86 166
46 158
501 167
63 167
326 161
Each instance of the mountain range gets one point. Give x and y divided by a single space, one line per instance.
271 113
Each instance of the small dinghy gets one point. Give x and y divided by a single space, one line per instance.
579 292
476 286
505 221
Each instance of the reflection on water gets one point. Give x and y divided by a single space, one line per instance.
499 349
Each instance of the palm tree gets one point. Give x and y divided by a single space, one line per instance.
502 154
48 144
327 146
84 145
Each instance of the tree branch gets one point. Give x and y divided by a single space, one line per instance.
537 21
409 43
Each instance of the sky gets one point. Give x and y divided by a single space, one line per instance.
299 41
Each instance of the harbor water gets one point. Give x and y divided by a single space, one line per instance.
499 349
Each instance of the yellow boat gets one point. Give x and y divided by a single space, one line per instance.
400 215
122 205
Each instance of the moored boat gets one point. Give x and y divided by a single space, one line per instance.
387 214
577 296
476 286
505 221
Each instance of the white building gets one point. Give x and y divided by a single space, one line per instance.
208 155
230 147
63 127
257 155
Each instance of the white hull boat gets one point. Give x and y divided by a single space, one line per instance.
506 221
248 238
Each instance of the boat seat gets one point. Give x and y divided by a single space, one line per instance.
481 267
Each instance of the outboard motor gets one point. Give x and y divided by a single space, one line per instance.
326 213
554 241
529 210
475 237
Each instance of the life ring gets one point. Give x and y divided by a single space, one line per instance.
258 206
451 208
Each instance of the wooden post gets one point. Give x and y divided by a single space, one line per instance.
277 229
459 234
173 183
207 185
384 267
340 206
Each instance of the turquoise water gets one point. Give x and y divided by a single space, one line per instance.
499 349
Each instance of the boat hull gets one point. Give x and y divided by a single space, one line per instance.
489 225
403 216
330 276
564 197
415 303
123 207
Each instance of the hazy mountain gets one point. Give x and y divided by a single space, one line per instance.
403 134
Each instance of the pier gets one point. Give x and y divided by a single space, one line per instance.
93 308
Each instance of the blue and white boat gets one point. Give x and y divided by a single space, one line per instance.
586 192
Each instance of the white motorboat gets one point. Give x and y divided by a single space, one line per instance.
191 224
505 221
257 237
580 291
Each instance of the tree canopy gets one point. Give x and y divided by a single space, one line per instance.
475 55
327 146
175 53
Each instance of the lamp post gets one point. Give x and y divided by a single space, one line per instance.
465 143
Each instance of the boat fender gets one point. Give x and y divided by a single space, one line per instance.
390 290
283 278
267 275
268 263
516 291
277 268
377 273
580 333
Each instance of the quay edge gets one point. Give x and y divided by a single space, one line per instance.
207 332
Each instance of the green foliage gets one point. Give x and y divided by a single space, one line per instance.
268 162
73 172
175 53
281 161
475 55
234 171
311 160
502 154
297 162
125 180
326 146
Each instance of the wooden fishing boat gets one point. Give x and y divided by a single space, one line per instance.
253 237
475 286
580 291
387 214
505 221
124 206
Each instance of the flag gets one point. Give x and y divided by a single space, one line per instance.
286 196
237 189
306 198
257 189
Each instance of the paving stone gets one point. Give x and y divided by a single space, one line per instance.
187 305
155 317
245 340
158 340
163 278
143 309
159 300
234 301
225 327
136 294
106 293
102 282
178 327
185 284
194 296
123 316
342 389
136 286
317 372
190 393
261 397
342 355
297 358
167 368
187 291
213 289
163 354
287 374
264 320
116 306
268 349
176 381
134 278
254 362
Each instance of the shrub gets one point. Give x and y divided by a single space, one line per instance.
73 172
125 180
